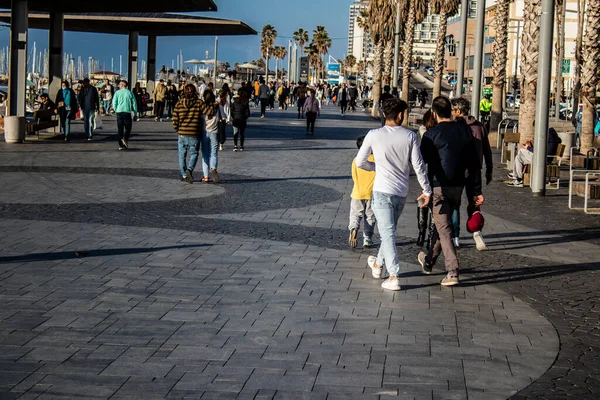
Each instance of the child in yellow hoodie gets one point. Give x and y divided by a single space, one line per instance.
360 205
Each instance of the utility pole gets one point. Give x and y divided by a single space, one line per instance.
542 102
479 53
396 46
216 61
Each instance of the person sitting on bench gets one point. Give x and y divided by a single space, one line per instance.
48 106
525 157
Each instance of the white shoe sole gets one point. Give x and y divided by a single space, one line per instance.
391 286
479 243
376 272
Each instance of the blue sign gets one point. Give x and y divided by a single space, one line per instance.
333 73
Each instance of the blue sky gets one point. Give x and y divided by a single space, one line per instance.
285 15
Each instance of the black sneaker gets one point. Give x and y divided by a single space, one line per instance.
215 176
189 178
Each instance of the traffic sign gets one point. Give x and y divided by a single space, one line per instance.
566 66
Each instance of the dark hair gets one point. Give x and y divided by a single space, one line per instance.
386 88
189 91
44 96
124 82
461 105
86 80
428 120
360 141
442 107
393 107
209 96
66 83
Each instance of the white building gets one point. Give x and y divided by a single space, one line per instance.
359 42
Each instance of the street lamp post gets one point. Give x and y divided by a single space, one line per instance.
478 58
464 19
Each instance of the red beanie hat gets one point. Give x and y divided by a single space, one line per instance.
475 222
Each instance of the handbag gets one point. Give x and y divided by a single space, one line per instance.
597 128
221 127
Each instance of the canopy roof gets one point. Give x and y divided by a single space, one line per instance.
117 5
147 24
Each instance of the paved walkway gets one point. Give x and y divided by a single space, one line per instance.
119 281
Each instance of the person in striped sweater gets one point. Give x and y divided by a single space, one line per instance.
188 123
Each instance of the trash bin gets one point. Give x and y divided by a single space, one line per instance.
14 129
568 139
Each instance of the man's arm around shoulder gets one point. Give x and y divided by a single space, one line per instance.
362 159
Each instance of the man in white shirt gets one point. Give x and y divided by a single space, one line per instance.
395 149
202 88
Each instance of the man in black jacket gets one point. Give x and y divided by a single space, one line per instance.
89 102
449 151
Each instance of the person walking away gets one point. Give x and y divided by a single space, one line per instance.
301 99
145 101
188 122
394 149
343 98
353 92
286 96
138 93
89 101
460 112
428 123
263 95
240 112
124 104
312 110
385 96
485 109
158 95
171 99
225 102
107 91
256 93
272 91
449 151
280 98
423 97
210 140
360 203
66 103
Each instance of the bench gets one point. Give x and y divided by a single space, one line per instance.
552 169
37 126
584 179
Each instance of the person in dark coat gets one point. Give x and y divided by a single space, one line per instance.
66 103
89 101
240 112
47 106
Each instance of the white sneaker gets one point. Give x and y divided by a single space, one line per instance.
456 243
479 241
390 284
376 272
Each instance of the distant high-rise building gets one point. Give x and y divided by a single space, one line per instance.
359 42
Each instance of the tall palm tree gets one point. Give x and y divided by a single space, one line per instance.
559 48
500 51
301 37
581 6
314 57
350 62
267 39
445 9
279 53
529 68
589 73
414 11
388 28
322 42
374 22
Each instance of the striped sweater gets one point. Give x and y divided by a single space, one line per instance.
187 116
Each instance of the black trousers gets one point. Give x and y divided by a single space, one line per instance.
170 108
239 132
159 108
263 106
124 123
311 117
352 104
344 105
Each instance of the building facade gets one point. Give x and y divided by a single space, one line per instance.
359 42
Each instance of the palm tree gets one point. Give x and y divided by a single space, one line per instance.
500 51
581 5
314 57
445 9
374 22
415 11
279 53
360 66
589 73
267 38
301 37
350 62
388 28
322 42
529 68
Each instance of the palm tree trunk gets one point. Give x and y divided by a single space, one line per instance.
407 54
581 4
529 68
388 61
500 51
377 70
560 50
589 74
440 51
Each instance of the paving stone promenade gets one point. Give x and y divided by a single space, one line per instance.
118 281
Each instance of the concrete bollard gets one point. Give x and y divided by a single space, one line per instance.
14 129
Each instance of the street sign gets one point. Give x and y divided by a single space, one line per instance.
304 65
333 73
487 90
566 66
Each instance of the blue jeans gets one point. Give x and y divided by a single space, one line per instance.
88 122
387 209
191 144
107 104
210 152
65 122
